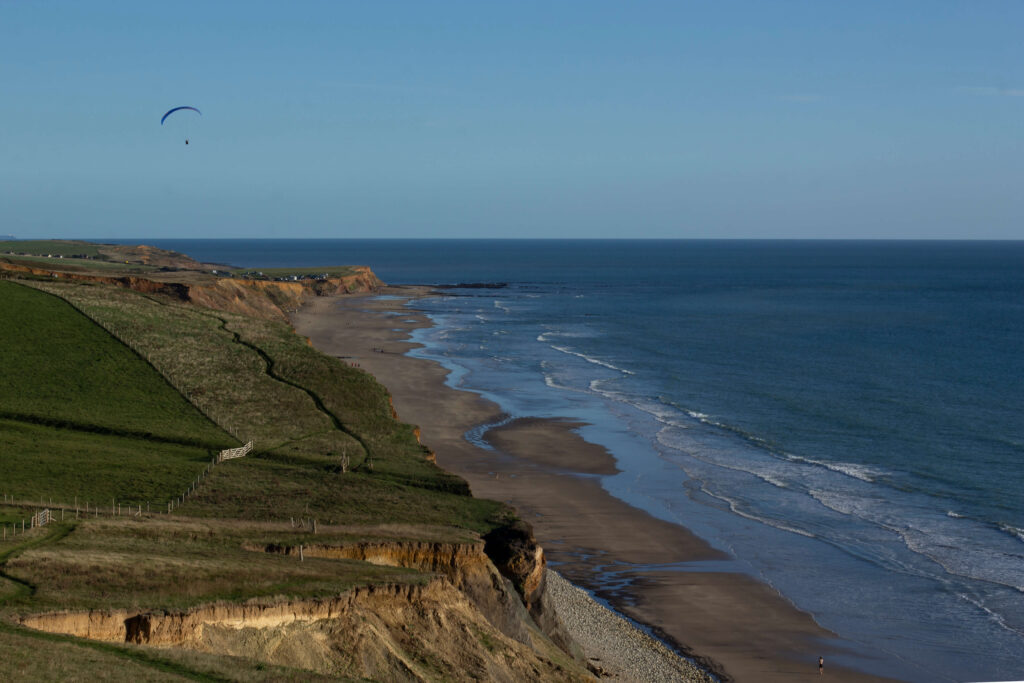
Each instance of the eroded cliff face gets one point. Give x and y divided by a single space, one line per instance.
468 622
260 298
248 296
395 633
517 555
465 565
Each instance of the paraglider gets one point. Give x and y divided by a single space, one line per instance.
171 111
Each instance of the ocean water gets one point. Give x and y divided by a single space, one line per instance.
843 418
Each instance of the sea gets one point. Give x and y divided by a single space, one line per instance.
843 418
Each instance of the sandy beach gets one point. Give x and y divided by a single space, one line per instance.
737 627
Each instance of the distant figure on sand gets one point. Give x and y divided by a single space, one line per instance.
821 665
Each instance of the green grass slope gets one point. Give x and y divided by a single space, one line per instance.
83 418
59 368
67 466
106 394
304 410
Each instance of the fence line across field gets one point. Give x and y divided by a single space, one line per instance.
44 517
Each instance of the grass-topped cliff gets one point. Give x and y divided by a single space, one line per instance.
115 399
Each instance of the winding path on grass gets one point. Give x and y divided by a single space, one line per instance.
269 371
269 364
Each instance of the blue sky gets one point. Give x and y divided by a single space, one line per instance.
513 119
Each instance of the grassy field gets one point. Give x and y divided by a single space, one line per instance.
70 659
67 264
201 359
65 370
152 563
56 247
174 564
83 417
303 409
109 394
43 463
256 379
264 488
358 401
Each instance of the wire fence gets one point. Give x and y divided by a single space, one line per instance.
89 509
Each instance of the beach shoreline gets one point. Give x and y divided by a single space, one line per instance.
736 626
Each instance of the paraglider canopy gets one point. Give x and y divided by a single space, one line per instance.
164 118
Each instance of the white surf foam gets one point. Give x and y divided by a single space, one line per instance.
550 381
962 555
771 480
708 420
854 470
664 413
861 472
994 616
591 359
846 503
1016 532
547 336
734 507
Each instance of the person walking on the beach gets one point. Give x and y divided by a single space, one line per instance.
821 665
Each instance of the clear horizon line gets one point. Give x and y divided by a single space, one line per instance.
550 239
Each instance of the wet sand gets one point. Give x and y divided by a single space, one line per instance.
740 628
